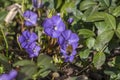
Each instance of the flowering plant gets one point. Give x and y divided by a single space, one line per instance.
59 39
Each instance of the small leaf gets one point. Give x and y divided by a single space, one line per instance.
44 74
116 12
110 20
90 42
103 38
96 16
86 33
27 72
84 54
99 59
117 31
24 63
45 61
87 4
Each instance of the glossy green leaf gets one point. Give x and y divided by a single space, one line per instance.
87 4
97 16
84 54
116 12
110 21
103 38
24 63
101 27
90 42
86 33
99 59
45 61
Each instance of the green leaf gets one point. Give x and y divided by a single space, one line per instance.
3 15
117 31
96 16
45 61
103 38
99 59
58 3
86 33
27 72
110 21
106 2
90 42
24 63
45 73
84 54
116 12
87 4
101 27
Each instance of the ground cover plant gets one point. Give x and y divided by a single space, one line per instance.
59 40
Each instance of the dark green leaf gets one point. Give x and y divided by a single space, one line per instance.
27 72
24 63
86 33
58 3
87 4
99 59
45 61
90 42
103 38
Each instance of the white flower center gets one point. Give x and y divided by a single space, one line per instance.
55 28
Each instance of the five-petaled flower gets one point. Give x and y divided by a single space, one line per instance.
27 38
33 50
54 26
30 18
12 74
67 39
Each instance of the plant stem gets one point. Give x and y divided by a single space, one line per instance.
6 43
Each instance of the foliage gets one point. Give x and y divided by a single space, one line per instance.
95 22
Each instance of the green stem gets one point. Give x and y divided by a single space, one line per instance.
6 43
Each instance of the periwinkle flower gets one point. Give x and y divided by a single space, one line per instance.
54 26
4 77
27 38
12 74
37 3
30 18
33 50
68 40
70 20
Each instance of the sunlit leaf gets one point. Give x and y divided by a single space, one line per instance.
99 59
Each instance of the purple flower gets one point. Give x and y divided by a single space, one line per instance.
67 39
37 3
27 38
33 50
30 18
54 26
4 77
70 20
12 74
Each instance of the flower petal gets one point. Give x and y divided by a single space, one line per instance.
48 31
73 38
56 34
66 34
47 23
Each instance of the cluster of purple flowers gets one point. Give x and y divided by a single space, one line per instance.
28 39
28 42
10 76
56 28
